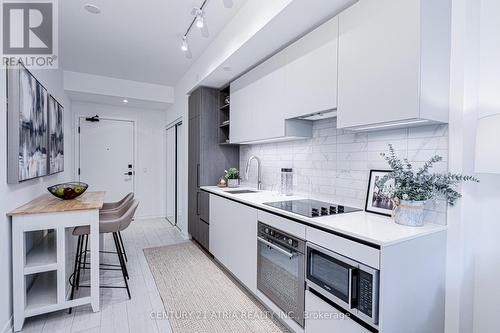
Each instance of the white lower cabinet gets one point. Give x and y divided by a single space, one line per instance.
321 317
233 238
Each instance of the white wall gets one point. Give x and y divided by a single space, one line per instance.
12 196
150 155
473 246
487 227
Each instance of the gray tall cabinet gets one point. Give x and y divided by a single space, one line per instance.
207 158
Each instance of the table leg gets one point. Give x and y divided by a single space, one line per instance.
94 261
18 280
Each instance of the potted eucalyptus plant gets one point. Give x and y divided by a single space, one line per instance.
233 177
413 188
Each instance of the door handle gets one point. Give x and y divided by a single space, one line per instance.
198 175
198 203
129 173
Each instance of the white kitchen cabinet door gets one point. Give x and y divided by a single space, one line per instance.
257 107
311 72
321 317
244 265
378 62
393 62
233 238
240 114
220 230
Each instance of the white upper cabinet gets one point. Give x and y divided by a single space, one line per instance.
393 63
298 81
257 103
311 72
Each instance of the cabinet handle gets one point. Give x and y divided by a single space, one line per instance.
198 175
198 203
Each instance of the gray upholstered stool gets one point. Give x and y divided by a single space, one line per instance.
112 222
110 209
109 206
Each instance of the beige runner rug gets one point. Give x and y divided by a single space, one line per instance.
199 297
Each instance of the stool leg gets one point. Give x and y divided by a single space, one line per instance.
73 276
122 251
122 262
86 237
123 246
85 253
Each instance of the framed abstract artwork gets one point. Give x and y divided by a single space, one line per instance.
34 137
27 113
56 136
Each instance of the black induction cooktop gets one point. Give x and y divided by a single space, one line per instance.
311 208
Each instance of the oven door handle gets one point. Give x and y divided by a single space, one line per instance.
277 248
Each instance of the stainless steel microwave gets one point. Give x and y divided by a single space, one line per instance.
346 282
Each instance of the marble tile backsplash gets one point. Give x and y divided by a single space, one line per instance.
334 164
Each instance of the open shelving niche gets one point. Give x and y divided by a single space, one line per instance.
41 291
224 116
42 256
40 270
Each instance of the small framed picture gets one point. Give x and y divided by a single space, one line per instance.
379 200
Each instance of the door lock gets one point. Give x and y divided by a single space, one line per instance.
130 173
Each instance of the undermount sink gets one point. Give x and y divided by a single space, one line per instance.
241 191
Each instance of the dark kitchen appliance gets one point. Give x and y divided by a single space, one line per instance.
344 281
280 270
311 208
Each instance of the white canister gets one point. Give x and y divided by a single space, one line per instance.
286 181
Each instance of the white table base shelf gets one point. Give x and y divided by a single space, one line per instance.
40 274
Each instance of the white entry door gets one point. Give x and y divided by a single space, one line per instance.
106 156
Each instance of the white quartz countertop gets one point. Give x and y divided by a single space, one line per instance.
373 228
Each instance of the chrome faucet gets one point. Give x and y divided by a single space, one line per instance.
259 170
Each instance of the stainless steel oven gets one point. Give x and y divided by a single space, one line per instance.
346 282
280 270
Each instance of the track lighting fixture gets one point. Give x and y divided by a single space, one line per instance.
199 21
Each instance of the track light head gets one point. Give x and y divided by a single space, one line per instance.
200 20
184 45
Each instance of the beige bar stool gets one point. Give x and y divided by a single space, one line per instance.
112 223
110 209
109 206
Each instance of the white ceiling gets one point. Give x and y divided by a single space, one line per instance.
136 40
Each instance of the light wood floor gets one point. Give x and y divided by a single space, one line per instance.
118 313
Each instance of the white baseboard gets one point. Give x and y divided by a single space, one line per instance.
7 328
146 217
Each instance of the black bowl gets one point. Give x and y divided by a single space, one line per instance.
68 191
